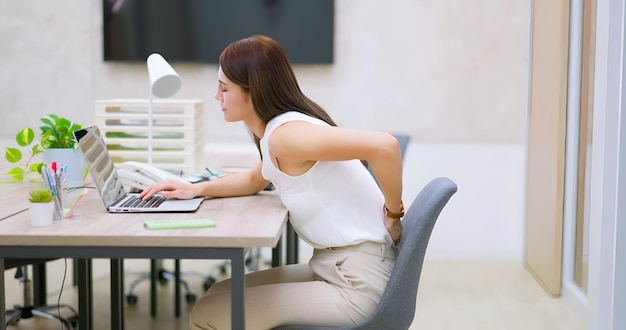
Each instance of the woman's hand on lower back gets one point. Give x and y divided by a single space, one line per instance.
394 227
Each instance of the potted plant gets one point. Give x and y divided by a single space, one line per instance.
56 143
41 207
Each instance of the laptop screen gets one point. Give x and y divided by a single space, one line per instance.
100 164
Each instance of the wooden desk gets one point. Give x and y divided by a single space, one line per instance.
242 222
14 197
13 200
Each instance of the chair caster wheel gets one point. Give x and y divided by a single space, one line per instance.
73 321
131 299
190 298
209 282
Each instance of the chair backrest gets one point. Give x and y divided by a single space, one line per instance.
396 308
403 141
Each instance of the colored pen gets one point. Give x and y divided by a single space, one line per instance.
212 175
77 202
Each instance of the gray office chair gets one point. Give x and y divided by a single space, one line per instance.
37 307
396 308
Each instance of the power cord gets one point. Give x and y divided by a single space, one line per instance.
60 293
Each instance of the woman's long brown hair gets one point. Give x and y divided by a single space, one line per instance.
260 66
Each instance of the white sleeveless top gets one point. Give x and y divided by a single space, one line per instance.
334 203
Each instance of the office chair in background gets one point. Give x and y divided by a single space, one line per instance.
36 308
396 308
158 274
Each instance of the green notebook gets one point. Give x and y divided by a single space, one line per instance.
178 224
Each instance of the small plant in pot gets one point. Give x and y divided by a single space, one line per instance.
40 195
56 133
41 207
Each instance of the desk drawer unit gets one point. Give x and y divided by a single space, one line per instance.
178 136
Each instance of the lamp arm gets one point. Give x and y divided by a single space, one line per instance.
150 123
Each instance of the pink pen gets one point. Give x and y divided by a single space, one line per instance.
77 202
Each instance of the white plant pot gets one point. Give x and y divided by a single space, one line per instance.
41 214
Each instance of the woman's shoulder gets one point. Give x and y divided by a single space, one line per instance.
287 117
293 116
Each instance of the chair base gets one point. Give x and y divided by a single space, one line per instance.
254 262
25 312
163 277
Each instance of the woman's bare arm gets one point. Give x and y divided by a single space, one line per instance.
239 184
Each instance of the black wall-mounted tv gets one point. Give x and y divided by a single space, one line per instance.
198 30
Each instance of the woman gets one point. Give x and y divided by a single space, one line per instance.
334 203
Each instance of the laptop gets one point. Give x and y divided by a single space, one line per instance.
109 184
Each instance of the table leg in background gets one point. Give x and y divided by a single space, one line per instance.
177 287
238 312
154 272
85 294
292 245
74 272
117 296
40 290
277 253
2 295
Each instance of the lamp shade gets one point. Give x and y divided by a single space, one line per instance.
164 81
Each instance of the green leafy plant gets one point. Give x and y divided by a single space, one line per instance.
56 132
40 195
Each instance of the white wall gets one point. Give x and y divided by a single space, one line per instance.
451 73
443 71
485 218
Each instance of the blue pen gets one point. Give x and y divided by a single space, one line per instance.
47 179
53 185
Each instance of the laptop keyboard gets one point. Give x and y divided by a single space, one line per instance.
153 202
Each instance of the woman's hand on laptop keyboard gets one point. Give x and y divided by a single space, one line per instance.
169 189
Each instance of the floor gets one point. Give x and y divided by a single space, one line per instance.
468 295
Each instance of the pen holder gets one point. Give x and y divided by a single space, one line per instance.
71 201
54 179
58 212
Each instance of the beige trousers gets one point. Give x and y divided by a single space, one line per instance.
339 286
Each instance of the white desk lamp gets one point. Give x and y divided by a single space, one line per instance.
164 82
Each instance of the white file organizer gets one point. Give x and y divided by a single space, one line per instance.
178 137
